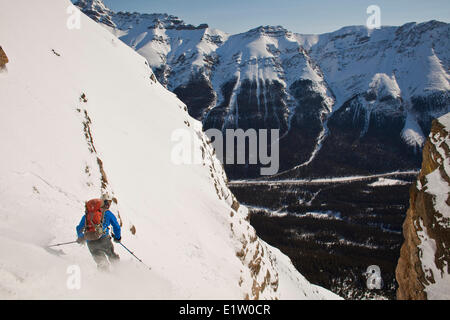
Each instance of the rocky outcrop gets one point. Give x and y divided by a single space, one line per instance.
97 11
423 268
3 58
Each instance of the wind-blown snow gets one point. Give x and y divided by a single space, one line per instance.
181 214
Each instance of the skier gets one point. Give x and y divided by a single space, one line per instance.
94 230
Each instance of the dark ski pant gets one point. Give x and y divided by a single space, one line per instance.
102 250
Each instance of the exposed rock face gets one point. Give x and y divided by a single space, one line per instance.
423 268
97 11
3 58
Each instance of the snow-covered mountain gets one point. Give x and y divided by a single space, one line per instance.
334 96
81 116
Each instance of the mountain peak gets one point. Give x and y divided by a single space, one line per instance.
97 10
270 30
153 21
95 5
194 202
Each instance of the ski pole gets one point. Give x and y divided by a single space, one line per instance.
61 244
134 256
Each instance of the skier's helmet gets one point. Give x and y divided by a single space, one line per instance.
107 199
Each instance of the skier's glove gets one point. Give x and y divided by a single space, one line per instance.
117 239
81 241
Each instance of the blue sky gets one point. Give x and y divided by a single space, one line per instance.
235 16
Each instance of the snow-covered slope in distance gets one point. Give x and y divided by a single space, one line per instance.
388 63
80 116
391 81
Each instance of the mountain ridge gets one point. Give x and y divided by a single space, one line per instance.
271 78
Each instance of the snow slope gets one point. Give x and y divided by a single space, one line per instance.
79 115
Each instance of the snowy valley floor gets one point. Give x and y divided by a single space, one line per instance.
338 226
